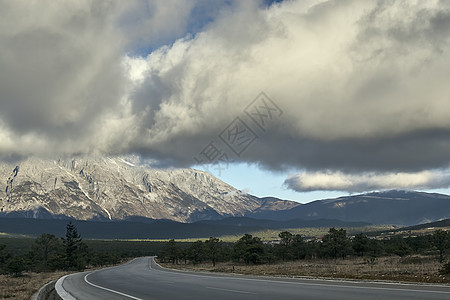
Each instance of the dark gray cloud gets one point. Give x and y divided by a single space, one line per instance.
59 74
363 85
63 81
367 181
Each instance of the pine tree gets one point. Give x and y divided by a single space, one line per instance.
16 265
75 249
441 241
196 252
213 247
46 253
284 249
250 249
359 244
172 252
336 243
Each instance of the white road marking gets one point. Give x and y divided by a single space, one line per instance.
165 281
109 290
310 284
228 290
61 291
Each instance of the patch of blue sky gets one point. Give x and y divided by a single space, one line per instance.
201 15
262 183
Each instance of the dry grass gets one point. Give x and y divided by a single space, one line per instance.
272 234
25 286
408 269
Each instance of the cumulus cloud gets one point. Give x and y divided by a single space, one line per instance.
368 181
63 79
60 74
150 24
362 84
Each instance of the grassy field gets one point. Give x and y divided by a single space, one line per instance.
20 242
412 268
25 286
393 268
407 269
129 248
272 234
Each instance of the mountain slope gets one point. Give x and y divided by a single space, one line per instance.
158 229
116 189
273 224
390 207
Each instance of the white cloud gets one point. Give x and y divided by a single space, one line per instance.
149 24
363 84
369 181
60 73
63 80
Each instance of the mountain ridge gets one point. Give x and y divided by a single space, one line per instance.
116 188
386 207
156 229
120 188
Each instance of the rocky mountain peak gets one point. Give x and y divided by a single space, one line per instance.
118 188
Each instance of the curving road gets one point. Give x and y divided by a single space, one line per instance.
143 278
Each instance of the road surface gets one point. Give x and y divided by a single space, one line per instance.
142 278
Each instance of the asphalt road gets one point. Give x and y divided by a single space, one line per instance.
142 278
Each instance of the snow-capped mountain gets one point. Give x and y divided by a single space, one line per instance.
118 188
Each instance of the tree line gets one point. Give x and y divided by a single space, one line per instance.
334 245
49 253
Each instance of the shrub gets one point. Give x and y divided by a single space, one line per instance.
445 270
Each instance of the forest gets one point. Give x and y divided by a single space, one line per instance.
335 245
48 253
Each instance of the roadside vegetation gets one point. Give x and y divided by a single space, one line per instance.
307 232
335 254
26 264
49 253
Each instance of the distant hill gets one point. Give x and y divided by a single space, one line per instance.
437 225
139 228
113 189
273 224
420 229
390 207
157 229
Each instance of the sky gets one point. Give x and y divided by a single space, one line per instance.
297 99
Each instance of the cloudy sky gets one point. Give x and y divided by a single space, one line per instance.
286 98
